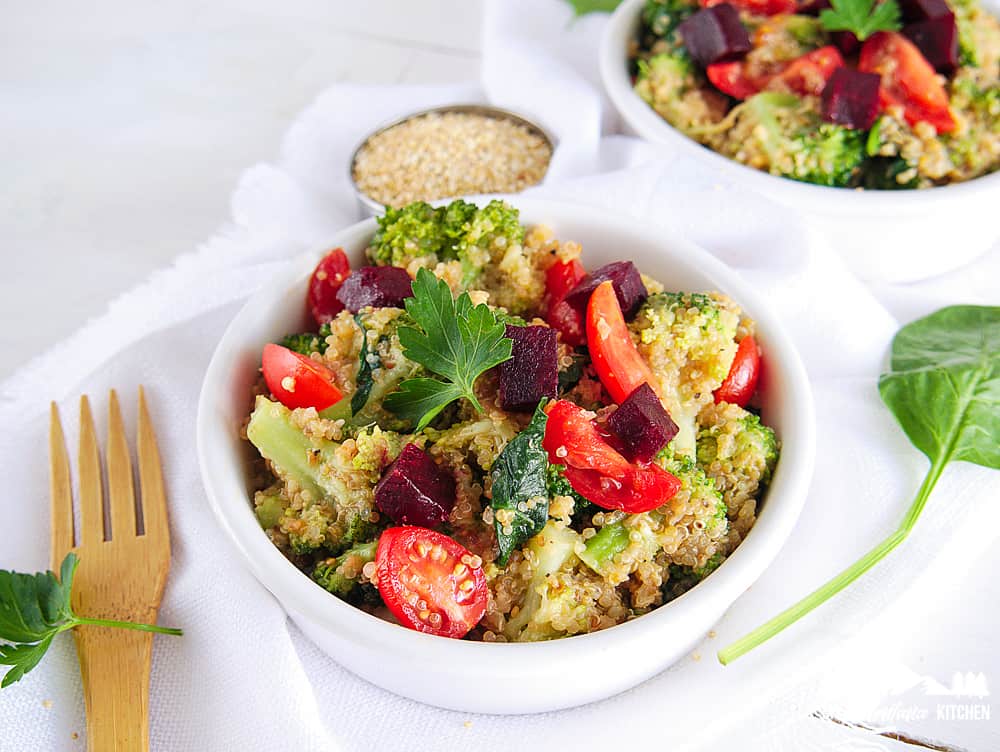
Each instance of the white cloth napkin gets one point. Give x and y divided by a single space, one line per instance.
244 677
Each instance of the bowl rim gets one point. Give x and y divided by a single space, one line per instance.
297 593
651 126
474 108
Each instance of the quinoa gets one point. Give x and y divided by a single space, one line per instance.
446 154
319 508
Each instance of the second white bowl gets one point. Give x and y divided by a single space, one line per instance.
887 236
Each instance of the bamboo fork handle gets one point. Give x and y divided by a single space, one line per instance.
115 665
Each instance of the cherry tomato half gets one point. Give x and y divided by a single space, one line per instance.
741 382
560 278
327 278
808 74
596 470
297 380
617 361
908 80
733 79
428 582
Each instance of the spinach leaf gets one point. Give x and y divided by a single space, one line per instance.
570 376
364 380
520 488
944 390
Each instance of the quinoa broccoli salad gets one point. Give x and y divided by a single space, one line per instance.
877 94
482 438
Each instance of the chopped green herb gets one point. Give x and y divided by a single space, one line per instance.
456 340
34 608
861 17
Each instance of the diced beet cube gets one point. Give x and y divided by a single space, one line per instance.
846 41
937 40
812 7
627 281
923 10
715 34
377 286
642 425
533 369
415 491
850 98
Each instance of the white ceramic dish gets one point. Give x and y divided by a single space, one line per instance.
888 236
491 677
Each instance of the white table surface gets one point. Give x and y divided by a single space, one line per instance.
125 127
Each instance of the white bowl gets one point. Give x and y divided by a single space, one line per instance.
888 236
494 677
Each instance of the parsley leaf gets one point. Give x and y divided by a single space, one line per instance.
582 7
456 340
862 17
34 608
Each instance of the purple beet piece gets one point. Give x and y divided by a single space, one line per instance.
533 369
850 98
627 281
937 40
642 425
846 41
377 286
812 7
715 34
923 10
415 491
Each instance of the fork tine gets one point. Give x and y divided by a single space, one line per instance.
154 500
91 500
121 491
60 491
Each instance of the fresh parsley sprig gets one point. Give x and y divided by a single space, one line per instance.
456 340
861 17
34 608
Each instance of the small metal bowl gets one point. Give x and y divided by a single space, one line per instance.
371 208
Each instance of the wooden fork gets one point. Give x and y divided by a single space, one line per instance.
124 559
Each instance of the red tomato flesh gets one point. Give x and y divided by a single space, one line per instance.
741 382
732 78
596 470
560 278
809 73
297 380
908 80
618 363
327 278
429 582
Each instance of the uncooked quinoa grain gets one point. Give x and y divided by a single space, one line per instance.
442 155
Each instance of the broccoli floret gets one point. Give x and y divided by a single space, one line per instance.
829 155
557 485
269 506
737 451
308 342
490 231
620 547
689 341
341 575
660 18
562 598
797 144
403 235
671 84
331 482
